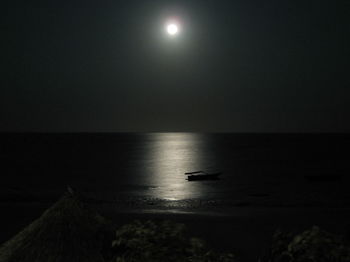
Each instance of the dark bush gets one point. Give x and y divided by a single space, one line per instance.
313 245
164 241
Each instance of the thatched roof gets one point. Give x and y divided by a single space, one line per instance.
66 232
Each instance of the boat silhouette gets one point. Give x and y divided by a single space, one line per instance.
202 175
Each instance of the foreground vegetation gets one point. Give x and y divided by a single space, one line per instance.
165 241
313 245
70 232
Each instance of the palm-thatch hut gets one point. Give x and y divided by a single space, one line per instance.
66 232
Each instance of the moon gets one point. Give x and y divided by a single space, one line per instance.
172 29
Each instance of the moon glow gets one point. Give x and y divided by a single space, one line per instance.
172 29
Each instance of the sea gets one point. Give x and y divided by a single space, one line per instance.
147 169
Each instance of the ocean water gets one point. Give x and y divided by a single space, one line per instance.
257 169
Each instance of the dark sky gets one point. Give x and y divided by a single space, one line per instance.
237 66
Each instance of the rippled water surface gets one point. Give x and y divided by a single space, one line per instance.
266 169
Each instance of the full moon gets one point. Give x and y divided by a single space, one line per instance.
172 29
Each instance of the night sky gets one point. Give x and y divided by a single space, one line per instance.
236 66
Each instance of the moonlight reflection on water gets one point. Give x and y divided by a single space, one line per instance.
170 156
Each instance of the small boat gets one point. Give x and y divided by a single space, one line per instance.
202 175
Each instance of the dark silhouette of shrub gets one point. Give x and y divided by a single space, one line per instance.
313 245
164 241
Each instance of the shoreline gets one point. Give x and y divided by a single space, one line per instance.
246 231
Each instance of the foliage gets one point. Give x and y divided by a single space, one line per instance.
164 241
313 245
